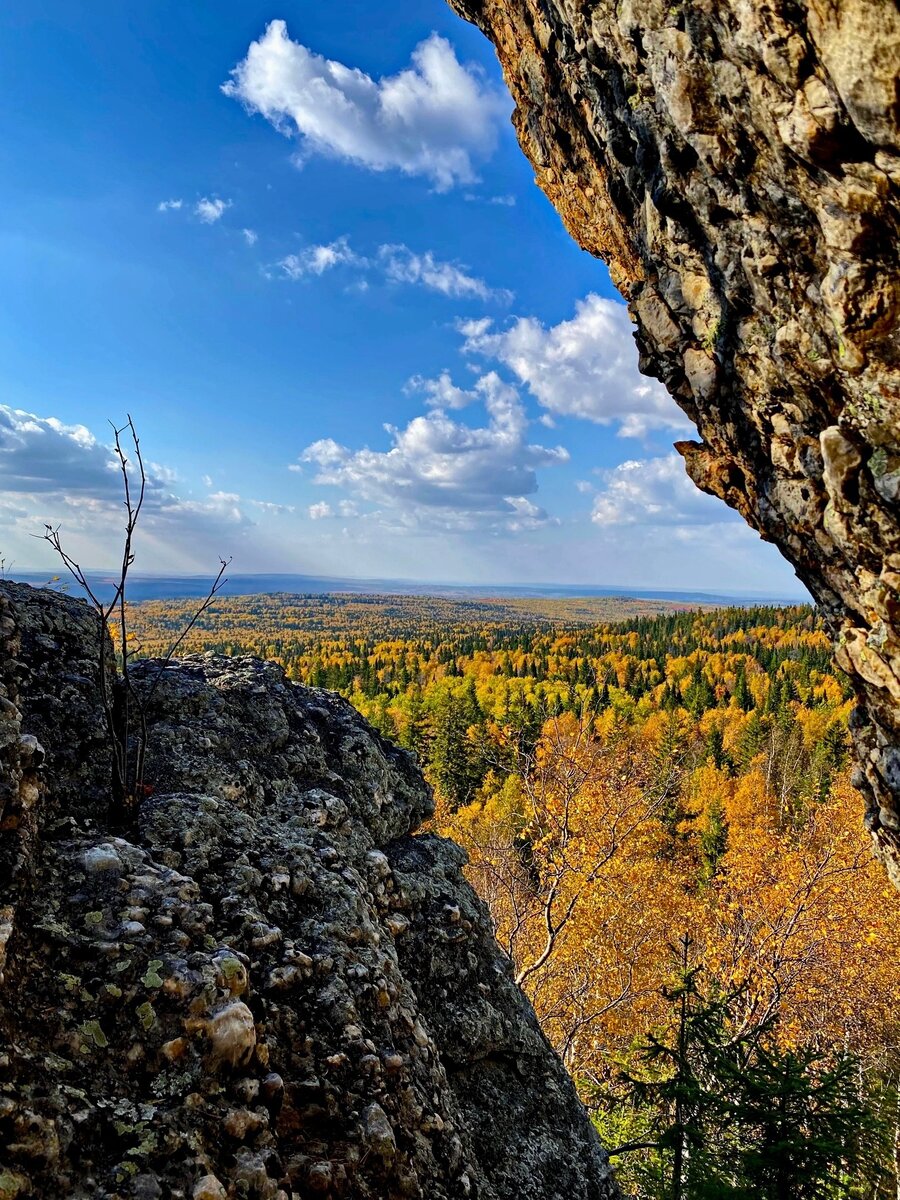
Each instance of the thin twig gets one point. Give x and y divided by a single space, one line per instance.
122 705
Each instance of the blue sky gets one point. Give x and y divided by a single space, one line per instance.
351 330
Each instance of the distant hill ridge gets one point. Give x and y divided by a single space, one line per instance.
173 587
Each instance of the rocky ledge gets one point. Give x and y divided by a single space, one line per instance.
271 987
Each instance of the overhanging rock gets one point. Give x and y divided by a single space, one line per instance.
737 165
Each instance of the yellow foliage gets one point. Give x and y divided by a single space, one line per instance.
781 914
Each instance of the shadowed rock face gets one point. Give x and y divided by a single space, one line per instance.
267 989
737 165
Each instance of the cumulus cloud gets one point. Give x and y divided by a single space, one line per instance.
584 367
43 456
655 491
316 260
402 265
436 118
527 515
320 511
251 237
441 392
59 474
440 473
210 208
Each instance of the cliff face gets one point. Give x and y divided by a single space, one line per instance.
737 165
268 988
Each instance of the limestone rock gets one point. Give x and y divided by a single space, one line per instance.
271 986
737 165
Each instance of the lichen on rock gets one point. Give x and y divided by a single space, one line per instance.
272 986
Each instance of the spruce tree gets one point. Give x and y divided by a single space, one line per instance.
742 694
803 1128
715 746
734 1115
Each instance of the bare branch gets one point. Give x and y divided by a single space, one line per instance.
123 704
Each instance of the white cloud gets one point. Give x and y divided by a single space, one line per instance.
325 452
275 510
402 265
440 473
222 507
397 264
316 260
441 392
655 491
527 515
43 456
251 237
320 511
435 118
505 201
210 208
58 474
585 367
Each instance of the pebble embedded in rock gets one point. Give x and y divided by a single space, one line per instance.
101 858
209 1188
232 1034
377 1132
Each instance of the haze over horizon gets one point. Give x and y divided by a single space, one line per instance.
159 586
352 332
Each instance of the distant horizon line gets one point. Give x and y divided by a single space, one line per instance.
379 584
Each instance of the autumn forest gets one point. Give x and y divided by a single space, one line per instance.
658 812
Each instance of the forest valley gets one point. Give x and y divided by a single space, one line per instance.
658 812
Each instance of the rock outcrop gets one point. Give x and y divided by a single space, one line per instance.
737 165
270 987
